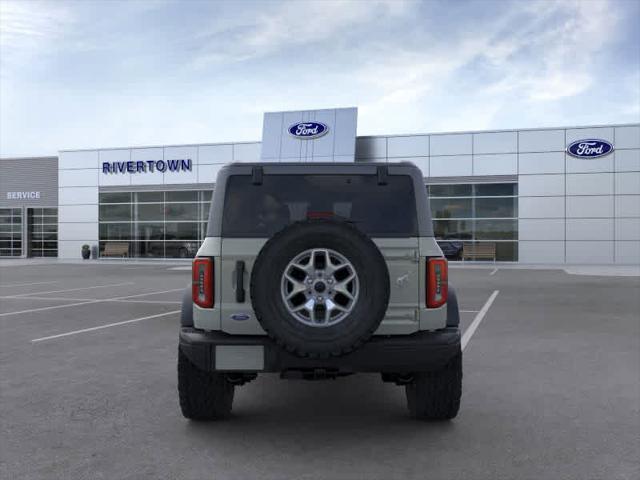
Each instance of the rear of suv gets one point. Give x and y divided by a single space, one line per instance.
315 271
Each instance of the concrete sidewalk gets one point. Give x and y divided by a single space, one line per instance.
595 270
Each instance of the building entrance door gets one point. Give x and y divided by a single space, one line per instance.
42 232
10 232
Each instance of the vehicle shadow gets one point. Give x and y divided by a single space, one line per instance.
331 412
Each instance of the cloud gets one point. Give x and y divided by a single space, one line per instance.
531 53
117 73
559 45
291 26
27 27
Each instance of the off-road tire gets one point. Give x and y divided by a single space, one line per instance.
436 395
337 339
203 395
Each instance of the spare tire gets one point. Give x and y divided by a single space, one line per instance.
320 288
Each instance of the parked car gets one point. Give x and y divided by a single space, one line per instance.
315 273
451 249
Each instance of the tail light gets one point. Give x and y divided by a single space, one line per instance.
437 282
202 282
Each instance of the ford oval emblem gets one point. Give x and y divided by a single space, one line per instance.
240 317
308 130
590 148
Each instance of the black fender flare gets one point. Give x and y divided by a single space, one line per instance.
453 313
186 313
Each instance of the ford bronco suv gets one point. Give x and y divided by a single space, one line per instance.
315 271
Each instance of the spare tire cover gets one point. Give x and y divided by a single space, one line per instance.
320 288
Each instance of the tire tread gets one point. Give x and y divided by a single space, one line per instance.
436 395
203 395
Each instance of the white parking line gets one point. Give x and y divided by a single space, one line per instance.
493 272
478 318
466 337
150 293
14 297
84 330
76 289
26 284
67 299
159 302
41 309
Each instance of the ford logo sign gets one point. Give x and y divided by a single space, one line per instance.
240 317
308 130
590 148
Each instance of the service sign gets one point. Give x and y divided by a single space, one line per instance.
308 130
23 195
589 148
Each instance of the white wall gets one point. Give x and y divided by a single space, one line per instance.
595 199
570 210
77 201
80 176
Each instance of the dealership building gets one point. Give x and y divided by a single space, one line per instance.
544 195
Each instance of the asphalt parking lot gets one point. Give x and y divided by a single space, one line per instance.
88 387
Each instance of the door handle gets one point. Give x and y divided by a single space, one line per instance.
240 281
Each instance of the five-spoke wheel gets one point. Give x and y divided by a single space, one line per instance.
319 287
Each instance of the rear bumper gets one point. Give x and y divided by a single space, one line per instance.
421 351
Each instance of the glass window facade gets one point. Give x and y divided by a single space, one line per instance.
42 228
169 224
486 212
10 232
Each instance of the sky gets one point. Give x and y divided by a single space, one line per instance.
85 74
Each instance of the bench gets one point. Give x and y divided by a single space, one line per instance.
479 251
116 250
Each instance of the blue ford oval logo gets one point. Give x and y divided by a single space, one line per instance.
240 317
308 130
590 148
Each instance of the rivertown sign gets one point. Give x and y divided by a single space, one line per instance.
145 166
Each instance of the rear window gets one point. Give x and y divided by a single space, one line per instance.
261 210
